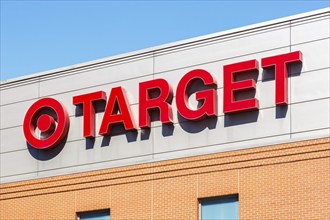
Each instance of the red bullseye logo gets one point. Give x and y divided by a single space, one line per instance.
49 118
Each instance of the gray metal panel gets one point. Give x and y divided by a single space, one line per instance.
311 115
19 177
319 133
310 86
94 77
225 49
13 114
12 139
17 162
222 148
19 93
315 54
310 30
95 166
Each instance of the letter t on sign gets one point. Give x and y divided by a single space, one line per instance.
280 63
87 101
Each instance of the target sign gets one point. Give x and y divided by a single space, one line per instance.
49 118
46 123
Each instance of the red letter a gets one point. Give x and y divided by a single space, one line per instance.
117 103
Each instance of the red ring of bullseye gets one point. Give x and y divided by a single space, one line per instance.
45 123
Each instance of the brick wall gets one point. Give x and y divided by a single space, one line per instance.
288 181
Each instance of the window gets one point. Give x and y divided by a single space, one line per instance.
103 214
220 208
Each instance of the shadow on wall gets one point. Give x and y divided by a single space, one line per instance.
241 118
197 126
116 130
294 69
48 154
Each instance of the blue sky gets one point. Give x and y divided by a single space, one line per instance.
43 35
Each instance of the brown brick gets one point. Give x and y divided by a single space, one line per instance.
286 181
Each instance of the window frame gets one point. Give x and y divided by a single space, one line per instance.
213 198
93 212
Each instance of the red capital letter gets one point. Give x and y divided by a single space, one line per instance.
162 102
280 63
117 103
208 97
230 86
87 101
